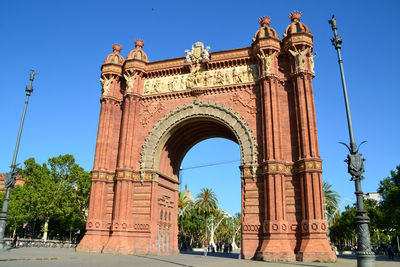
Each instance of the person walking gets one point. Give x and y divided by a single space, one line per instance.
390 252
205 247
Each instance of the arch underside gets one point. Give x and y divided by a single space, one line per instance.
173 136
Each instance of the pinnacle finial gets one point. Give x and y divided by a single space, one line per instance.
139 43
264 21
117 48
295 16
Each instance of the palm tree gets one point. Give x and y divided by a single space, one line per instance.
185 206
331 200
206 203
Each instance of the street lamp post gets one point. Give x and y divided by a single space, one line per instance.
12 175
365 257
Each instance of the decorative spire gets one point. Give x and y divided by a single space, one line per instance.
117 48
295 16
265 30
115 57
138 53
264 21
296 26
139 43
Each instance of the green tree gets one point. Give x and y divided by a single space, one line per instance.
206 204
185 206
389 189
60 192
343 228
18 208
331 201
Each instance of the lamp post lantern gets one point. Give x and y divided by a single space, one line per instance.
11 177
365 257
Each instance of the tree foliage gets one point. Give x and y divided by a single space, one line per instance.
56 192
206 204
331 201
389 189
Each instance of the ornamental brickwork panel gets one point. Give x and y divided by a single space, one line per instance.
260 97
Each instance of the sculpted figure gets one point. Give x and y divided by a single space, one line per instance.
181 84
169 84
206 78
219 78
266 61
189 81
236 77
130 80
156 86
311 58
300 57
188 54
228 77
106 83
175 84
205 54
147 87
243 75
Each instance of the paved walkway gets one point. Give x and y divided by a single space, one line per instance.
61 257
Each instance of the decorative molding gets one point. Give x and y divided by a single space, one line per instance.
199 109
249 103
149 110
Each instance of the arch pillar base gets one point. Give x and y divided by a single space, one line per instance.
93 242
314 248
276 250
119 244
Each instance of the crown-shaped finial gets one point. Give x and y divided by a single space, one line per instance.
264 21
139 43
117 48
295 16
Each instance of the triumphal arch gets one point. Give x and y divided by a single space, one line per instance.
152 113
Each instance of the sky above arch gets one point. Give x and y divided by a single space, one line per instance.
67 41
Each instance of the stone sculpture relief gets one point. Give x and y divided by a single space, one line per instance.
198 53
311 58
106 83
300 57
267 61
201 78
130 80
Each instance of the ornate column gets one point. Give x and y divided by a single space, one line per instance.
123 228
314 245
275 244
102 188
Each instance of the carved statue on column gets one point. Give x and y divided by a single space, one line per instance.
106 83
130 80
311 58
266 60
300 57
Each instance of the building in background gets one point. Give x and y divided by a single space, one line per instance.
20 181
374 196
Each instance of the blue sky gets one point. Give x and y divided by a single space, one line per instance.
67 41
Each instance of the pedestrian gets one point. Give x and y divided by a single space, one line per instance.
205 247
390 252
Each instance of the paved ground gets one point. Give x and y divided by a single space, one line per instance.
61 257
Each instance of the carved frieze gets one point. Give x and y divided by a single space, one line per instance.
201 78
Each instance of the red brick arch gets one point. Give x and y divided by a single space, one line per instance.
152 113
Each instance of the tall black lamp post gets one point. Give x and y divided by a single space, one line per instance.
12 175
365 257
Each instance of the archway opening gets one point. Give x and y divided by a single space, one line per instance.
218 144
213 165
